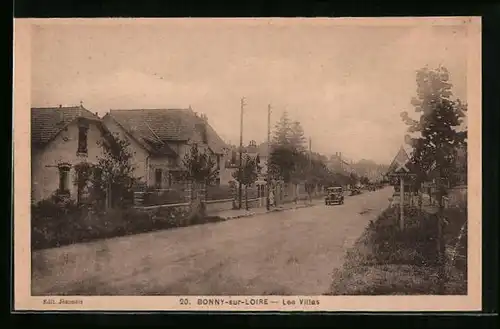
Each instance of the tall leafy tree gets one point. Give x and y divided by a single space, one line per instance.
282 162
200 168
111 177
437 125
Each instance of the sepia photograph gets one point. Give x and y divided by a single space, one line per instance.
257 164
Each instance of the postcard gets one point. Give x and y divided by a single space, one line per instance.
259 164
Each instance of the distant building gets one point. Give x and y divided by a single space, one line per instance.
259 152
339 165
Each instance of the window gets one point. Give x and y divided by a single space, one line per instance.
218 161
64 179
217 181
169 179
82 139
158 177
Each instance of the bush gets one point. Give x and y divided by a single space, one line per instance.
55 224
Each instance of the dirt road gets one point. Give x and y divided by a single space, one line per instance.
284 253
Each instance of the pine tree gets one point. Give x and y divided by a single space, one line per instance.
297 139
282 131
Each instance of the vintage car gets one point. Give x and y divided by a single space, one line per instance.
355 191
334 195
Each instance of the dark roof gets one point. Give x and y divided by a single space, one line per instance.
47 122
155 127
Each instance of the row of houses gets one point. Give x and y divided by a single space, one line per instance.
338 164
63 137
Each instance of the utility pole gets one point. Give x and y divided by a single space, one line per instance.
310 153
268 155
240 166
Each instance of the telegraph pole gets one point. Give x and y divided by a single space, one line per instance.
240 166
310 153
268 155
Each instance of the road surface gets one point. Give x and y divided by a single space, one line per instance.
285 253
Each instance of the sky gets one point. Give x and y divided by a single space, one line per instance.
346 84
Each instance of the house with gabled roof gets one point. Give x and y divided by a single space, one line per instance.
160 138
61 138
260 152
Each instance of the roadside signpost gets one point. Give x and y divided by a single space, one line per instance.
400 169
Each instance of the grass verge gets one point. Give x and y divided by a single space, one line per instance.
388 261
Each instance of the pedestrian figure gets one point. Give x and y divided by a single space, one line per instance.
271 198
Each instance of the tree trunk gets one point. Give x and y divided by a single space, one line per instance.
109 196
441 242
246 197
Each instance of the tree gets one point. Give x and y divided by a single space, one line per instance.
437 126
199 167
287 160
297 139
282 130
440 137
282 163
247 174
353 178
112 177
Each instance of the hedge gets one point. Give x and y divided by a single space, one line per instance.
54 225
